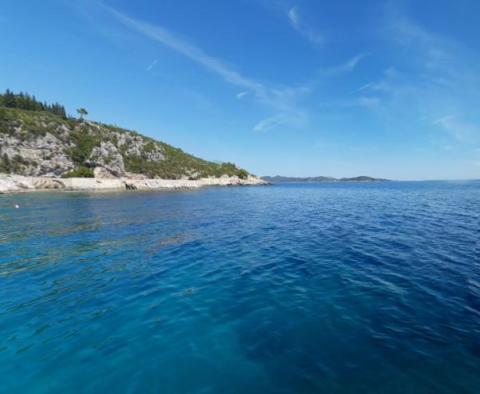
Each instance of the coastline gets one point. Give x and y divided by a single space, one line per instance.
19 183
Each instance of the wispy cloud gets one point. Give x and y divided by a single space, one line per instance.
433 80
169 39
297 22
363 87
430 51
283 103
152 65
269 123
349 66
295 119
353 62
458 128
368 102
241 95
282 100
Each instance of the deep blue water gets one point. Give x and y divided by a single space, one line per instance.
329 288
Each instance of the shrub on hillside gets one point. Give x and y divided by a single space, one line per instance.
79 172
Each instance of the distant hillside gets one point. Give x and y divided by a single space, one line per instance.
38 139
363 179
286 179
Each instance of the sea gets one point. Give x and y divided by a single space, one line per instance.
288 288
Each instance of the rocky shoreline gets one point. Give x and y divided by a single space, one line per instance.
18 183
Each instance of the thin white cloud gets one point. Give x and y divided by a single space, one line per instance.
282 100
368 102
349 66
444 120
301 27
152 65
429 50
169 39
457 127
353 62
297 119
294 17
241 95
341 69
269 123
434 81
370 86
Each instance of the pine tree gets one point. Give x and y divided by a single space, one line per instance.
27 102
9 99
82 112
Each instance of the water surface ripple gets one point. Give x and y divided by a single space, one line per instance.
328 288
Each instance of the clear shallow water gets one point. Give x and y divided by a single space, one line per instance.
334 288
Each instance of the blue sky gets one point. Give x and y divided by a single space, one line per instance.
339 88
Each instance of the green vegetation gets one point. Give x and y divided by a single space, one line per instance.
12 165
177 164
84 142
28 102
24 118
32 123
5 165
79 172
82 112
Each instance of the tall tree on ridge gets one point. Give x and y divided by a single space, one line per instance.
82 112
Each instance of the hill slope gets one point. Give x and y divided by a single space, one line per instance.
286 179
42 143
291 179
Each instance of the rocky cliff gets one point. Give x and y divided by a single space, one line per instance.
41 143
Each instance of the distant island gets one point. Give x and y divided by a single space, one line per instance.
42 147
286 179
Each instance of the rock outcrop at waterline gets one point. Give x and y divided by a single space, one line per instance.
18 183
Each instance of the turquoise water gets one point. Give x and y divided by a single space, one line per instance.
329 288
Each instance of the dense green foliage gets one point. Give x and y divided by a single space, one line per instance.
83 142
30 103
178 163
78 138
79 172
32 123
12 165
82 112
